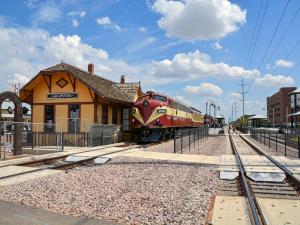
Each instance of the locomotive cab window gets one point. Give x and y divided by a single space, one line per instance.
160 98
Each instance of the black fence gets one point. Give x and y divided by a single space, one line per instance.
185 139
286 143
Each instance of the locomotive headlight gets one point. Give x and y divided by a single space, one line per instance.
162 111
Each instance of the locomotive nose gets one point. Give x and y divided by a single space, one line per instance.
145 103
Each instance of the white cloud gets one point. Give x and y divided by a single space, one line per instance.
217 46
107 23
199 19
196 65
234 95
19 79
75 23
284 63
141 44
81 13
25 51
31 4
205 89
104 21
183 100
274 81
47 12
142 29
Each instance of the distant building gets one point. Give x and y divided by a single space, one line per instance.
295 106
257 121
279 107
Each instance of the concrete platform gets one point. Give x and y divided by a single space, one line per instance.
228 167
203 159
14 214
11 170
230 210
280 211
29 176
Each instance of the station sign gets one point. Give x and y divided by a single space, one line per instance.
63 95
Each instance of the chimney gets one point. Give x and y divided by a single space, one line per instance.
91 68
123 79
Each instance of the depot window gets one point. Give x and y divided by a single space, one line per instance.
105 114
125 116
49 118
74 121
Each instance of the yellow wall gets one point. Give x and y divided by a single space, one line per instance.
38 118
87 117
40 91
61 118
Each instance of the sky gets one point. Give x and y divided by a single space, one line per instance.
192 50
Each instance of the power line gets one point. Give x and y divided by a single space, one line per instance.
254 31
259 31
274 33
284 34
291 51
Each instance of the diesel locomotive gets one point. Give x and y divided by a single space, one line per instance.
155 116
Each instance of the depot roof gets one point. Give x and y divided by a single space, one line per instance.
102 86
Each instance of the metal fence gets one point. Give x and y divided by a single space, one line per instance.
105 134
185 139
287 143
42 138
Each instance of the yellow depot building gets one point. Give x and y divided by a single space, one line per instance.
72 99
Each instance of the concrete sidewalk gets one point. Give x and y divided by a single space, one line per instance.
15 214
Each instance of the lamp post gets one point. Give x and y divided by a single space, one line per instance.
273 117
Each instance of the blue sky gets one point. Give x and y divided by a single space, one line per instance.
193 50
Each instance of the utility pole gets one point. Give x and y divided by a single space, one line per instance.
232 113
235 108
243 93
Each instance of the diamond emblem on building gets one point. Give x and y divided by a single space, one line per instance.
62 82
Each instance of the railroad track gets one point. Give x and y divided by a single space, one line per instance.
55 158
58 163
288 189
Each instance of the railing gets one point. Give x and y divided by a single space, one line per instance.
185 139
287 144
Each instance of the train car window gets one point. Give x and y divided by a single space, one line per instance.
160 98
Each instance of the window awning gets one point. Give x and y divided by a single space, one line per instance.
295 114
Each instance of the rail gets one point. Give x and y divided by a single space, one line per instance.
288 173
246 189
67 165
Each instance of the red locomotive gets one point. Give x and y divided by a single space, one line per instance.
155 116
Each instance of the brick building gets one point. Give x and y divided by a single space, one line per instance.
279 105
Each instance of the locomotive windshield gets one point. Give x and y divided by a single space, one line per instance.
160 98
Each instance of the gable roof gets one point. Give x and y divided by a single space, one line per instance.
100 85
129 89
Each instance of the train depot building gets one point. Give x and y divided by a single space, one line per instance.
72 99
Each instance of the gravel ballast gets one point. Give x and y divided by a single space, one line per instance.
213 145
125 191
